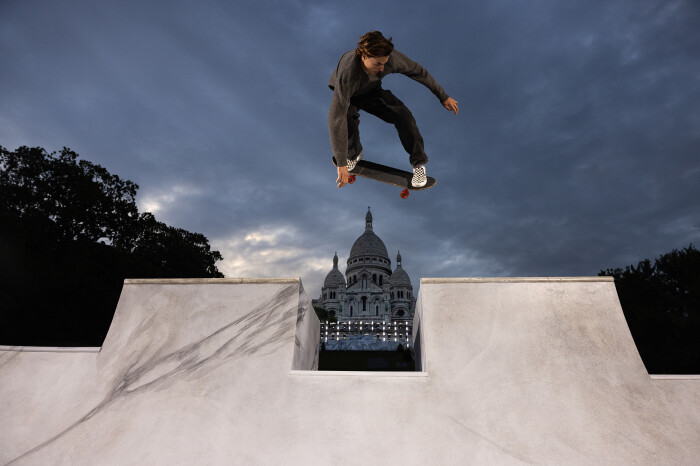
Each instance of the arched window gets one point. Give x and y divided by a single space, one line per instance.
380 280
364 304
374 278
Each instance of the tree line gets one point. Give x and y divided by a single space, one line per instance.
70 233
661 302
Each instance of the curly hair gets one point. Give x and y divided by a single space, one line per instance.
374 44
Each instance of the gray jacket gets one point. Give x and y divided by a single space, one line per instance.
349 80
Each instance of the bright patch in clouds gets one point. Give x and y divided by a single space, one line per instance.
257 237
273 252
162 201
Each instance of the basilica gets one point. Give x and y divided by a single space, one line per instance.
370 291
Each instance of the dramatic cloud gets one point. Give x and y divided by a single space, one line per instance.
576 148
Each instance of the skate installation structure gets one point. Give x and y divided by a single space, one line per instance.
223 371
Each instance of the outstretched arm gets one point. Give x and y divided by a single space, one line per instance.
400 63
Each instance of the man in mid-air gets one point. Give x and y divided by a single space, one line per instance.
357 85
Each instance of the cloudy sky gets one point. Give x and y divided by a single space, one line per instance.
577 146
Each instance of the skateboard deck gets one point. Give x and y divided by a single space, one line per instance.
389 175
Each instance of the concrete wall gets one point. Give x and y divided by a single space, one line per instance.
205 372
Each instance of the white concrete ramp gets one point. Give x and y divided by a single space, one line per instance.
538 371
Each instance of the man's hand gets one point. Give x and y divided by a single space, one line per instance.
451 105
343 176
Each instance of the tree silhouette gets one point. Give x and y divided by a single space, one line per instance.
83 200
70 233
661 302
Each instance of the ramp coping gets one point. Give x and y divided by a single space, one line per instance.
515 280
361 373
674 376
51 349
208 281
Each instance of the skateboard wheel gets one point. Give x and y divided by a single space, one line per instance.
351 179
404 194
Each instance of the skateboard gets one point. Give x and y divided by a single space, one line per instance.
389 175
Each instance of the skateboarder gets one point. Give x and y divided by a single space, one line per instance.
357 85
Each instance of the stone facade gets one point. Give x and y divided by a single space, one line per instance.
369 291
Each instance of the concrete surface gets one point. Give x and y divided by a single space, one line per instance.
534 371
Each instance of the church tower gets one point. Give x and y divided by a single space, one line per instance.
333 289
401 293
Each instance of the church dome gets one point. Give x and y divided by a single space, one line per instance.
368 244
334 278
399 277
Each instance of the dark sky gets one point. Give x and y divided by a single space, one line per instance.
577 146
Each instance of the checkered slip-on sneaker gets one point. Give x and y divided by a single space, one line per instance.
352 163
419 177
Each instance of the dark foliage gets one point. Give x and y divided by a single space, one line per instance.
323 315
661 302
70 233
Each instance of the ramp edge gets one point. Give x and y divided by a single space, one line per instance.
674 376
51 349
429 281
361 373
209 281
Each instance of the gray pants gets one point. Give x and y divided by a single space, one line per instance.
388 107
